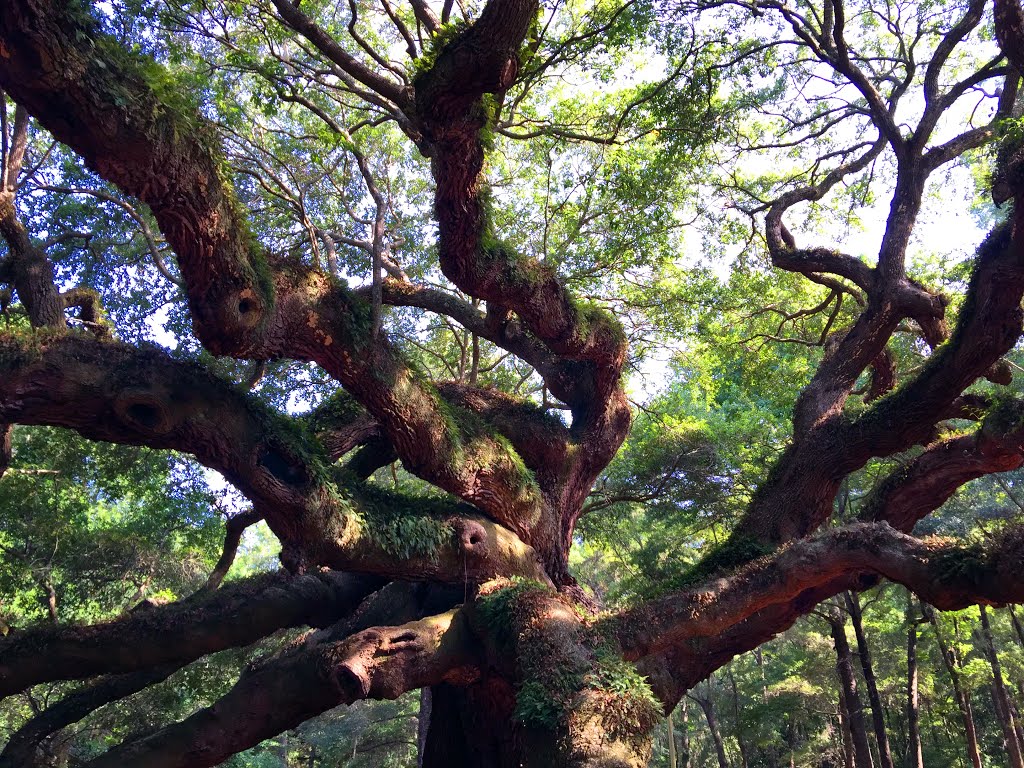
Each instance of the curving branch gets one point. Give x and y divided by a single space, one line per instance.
237 614
388 88
317 675
234 527
947 574
924 484
798 495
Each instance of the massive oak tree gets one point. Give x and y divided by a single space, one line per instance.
467 592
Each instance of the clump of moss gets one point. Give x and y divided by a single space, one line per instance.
444 37
338 409
624 700
963 564
404 526
1004 415
25 345
495 605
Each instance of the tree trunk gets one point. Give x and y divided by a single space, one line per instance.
864 653
844 729
422 724
963 697
1000 695
736 719
716 734
1018 629
848 684
684 734
476 727
471 727
914 757
672 762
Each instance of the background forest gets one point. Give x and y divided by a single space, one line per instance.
650 158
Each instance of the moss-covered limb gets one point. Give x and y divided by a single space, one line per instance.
90 309
521 292
237 614
468 63
483 59
373 454
539 437
117 393
233 529
380 662
923 566
425 538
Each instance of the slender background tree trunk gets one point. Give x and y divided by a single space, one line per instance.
914 757
864 654
848 683
962 696
1000 696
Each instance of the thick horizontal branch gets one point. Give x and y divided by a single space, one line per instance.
108 391
237 614
947 574
317 675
